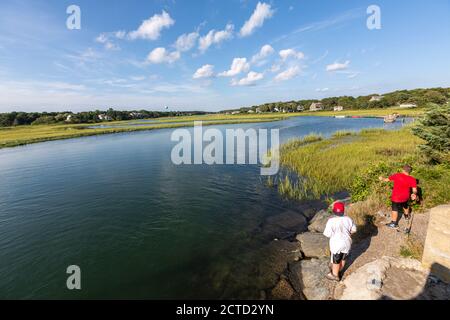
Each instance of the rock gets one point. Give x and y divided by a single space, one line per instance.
314 245
318 223
308 277
282 291
276 257
284 226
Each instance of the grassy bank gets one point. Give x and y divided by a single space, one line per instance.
22 135
353 162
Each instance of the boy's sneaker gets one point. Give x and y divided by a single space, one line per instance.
392 225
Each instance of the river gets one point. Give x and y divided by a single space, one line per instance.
137 225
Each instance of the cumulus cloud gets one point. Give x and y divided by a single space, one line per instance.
291 53
239 65
186 41
216 37
290 73
262 12
265 51
151 28
207 71
338 66
161 55
251 78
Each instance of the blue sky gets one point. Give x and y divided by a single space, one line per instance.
214 54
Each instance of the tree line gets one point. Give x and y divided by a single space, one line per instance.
36 118
420 97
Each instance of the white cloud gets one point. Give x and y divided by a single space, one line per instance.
216 37
151 28
338 66
262 12
322 89
120 34
108 44
207 71
161 55
138 78
249 80
291 53
239 65
290 73
186 41
265 51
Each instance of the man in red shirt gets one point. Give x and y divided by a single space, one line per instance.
404 183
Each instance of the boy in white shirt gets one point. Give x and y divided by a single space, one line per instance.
339 229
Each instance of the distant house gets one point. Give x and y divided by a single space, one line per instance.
136 115
104 117
300 108
235 112
338 108
316 106
258 110
408 105
276 109
251 111
376 98
69 118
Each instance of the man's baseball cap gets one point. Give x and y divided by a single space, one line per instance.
338 208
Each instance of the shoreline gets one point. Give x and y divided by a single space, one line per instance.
25 135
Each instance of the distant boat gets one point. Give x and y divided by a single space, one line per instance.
356 117
340 117
391 118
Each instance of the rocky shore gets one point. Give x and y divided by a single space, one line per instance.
298 258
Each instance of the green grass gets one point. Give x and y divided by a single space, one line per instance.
22 135
353 163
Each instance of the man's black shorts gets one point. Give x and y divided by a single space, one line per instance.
400 206
339 257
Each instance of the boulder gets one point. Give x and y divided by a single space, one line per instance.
318 223
309 277
314 245
284 226
282 291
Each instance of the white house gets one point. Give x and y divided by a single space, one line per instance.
376 98
258 110
316 106
235 112
104 117
300 108
251 111
338 108
69 118
408 105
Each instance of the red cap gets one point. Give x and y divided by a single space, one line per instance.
339 208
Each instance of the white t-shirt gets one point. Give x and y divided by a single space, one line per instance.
339 230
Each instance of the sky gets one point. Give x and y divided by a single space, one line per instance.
212 55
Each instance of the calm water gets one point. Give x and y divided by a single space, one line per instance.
137 225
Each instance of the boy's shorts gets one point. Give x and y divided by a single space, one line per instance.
400 206
338 257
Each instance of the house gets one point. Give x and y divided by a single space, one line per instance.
136 115
376 98
235 112
276 109
316 106
338 108
251 111
69 118
104 117
300 108
258 110
408 105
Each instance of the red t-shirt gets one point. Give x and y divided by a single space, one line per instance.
402 187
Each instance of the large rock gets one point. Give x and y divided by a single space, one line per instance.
436 255
318 223
284 226
309 277
314 245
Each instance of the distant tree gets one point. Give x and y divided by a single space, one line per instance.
434 128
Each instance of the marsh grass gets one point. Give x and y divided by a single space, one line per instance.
413 248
